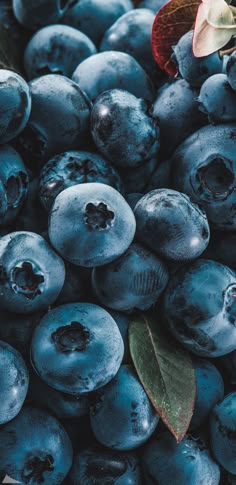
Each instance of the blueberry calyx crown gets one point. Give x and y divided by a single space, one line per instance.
35 468
214 179
230 303
84 168
71 338
16 187
27 279
98 216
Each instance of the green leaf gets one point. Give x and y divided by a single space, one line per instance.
214 27
166 372
10 50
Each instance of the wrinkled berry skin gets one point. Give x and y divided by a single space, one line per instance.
94 17
176 101
231 70
56 49
34 15
59 119
217 99
15 105
14 381
113 70
116 113
35 449
204 168
95 465
223 432
193 69
171 225
60 404
32 274
165 461
122 416
131 33
14 183
132 282
199 308
210 390
103 224
72 168
77 348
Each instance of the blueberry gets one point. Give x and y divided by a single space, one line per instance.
17 330
19 35
56 49
101 467
199 308
165 461
132 198
221 248
31 273
171 225
153 5
15 105
75 167
210 390
34 15
32 216
193 69
223 432
122 321
231 70
35 449
116 113
131 33
176 110
14 381
217 99
161 177
135 179
14 183
113 70
91 224
77 348
133 281
94 17
59 118
204 167
60 404
122 416
76 286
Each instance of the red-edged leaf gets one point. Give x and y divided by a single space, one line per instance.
172 21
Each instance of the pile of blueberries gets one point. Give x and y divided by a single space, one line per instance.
117 196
